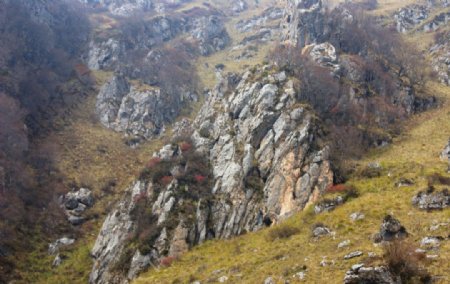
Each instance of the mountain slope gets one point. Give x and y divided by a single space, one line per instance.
254 257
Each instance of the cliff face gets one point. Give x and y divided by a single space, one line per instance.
261 160
304 21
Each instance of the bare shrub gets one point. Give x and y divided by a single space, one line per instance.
283 231
402 260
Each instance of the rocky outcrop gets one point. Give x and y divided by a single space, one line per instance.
259 21
122 7
304 22
409 17
266 163
137 112
75 203
210 33
391 229
362 274
440 54
108 53
432 200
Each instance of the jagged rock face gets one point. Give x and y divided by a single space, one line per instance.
391 229
441 59
410 16
139 113
120 50
324 54
266 163
304 22
108 53
210 33
432 200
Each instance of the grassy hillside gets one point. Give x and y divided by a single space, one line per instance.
254 257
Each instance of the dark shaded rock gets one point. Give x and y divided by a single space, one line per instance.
76 220
304 22
71 203
391 229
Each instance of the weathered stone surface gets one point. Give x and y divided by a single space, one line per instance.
210 33
320 230
353 254
54 247
138 113
361 274
410 16
391 229
432 200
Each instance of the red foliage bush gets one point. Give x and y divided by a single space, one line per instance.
153 162
337 188
200 178
185 147
167 261
166 180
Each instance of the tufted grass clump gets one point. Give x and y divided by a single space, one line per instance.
283 231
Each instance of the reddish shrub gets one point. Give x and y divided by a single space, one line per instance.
140 197
167 261
337 188
153 162
200 178
166 180
185 147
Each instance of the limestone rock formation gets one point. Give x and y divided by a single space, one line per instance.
411 16
139 113
304 22
266 163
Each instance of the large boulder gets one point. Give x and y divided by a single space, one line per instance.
432 200
138 112
408 17
361 274
391 229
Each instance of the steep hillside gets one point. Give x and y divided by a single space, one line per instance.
297 256
238 141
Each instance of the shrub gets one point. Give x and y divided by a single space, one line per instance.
282 232
166 180
167 261
200 178
185 147
337 188
438 179
402 260
153 162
